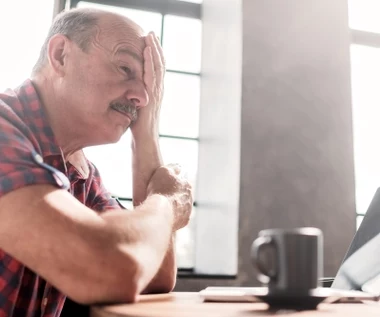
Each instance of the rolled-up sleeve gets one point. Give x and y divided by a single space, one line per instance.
21 164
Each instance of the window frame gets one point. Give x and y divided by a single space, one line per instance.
180 8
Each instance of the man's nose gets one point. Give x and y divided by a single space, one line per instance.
138 95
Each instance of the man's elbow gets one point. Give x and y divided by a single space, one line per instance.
169 284
163 284
166 287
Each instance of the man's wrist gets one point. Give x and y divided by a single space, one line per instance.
166 204
147 134
145 140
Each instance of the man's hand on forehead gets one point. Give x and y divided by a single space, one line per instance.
154 71
154 67
152 41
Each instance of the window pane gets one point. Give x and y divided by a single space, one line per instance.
185 242
180 107
149 21
22 35
359 220
114 163
364 15
182 43
365 68
183 152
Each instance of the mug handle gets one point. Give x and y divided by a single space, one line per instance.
264 275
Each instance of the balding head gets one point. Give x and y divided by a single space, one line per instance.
116 33
83 26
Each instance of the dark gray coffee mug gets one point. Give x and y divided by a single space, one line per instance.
289 260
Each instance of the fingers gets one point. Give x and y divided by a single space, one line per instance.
160 51
149 73
157 53
175 167
182 178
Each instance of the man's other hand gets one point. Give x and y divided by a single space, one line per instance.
168 181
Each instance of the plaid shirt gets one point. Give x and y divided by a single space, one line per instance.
30 155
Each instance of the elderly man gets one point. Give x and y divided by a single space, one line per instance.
61 233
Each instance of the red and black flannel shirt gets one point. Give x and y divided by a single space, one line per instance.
29 154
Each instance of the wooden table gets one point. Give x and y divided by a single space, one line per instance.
190 304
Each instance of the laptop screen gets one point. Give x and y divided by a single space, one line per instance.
369 228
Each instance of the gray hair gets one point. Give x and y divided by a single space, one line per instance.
78 25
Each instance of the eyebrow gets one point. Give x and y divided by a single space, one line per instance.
126 51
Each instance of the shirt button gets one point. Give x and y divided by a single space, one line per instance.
44 302
38 158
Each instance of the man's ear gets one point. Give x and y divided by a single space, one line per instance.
58 47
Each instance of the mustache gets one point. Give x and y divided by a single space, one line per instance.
128 108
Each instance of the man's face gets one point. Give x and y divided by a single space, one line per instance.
104 86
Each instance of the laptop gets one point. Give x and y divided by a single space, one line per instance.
358 277
360 269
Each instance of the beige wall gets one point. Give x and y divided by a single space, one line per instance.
296 131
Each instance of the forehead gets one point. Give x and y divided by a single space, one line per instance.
120 36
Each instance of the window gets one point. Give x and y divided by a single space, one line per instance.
179 29
365 77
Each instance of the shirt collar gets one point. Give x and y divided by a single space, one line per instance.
36 119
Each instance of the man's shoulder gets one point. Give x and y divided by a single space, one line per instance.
10 106
9 112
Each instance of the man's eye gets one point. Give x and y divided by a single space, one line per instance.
126 70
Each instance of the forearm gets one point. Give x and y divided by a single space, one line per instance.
121 251
165 279
146 158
